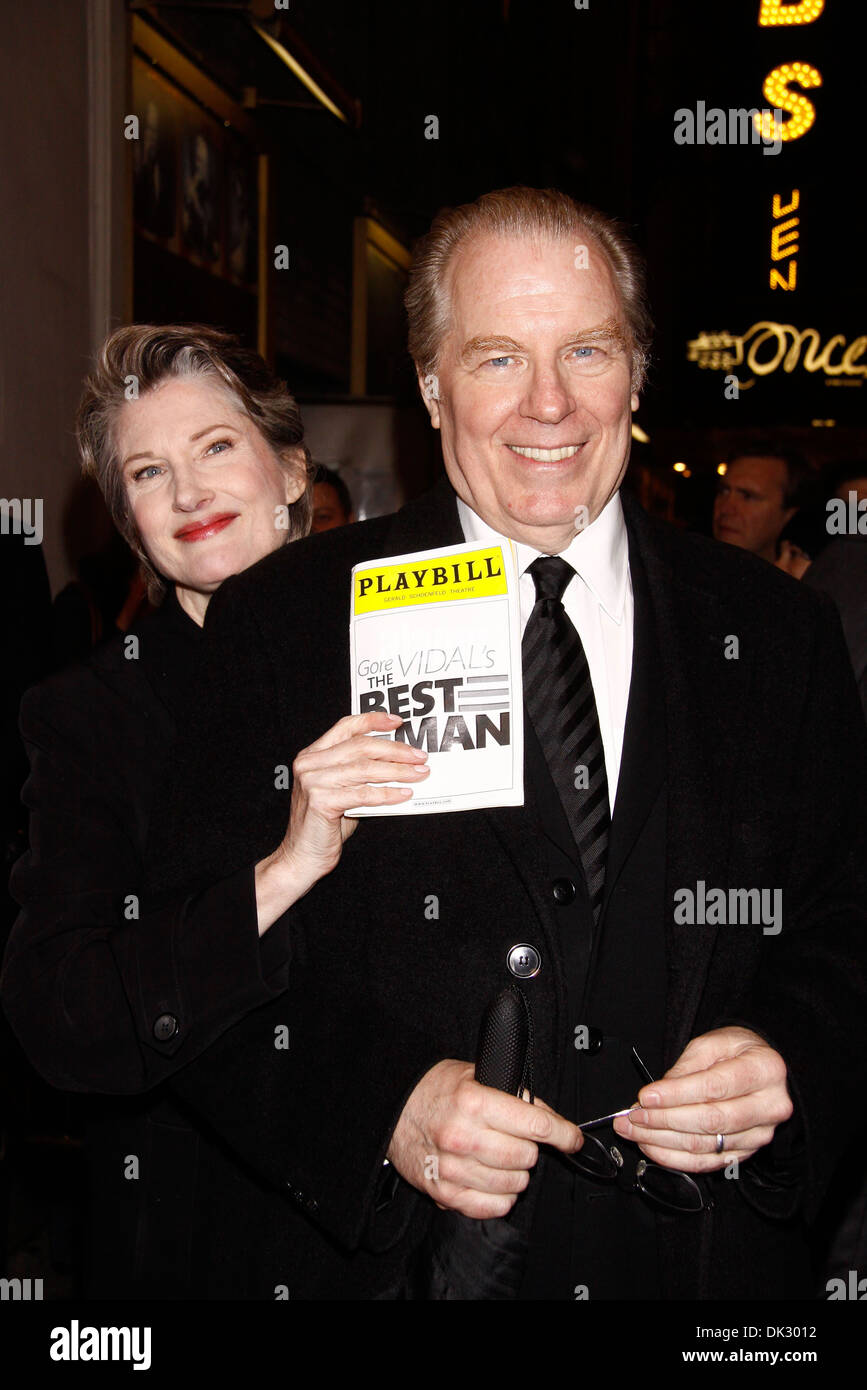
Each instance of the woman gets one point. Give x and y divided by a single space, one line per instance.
198 450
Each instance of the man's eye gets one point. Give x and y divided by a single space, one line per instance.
584 354
498 361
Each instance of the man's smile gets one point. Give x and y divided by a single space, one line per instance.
545 455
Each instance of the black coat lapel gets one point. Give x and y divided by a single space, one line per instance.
690 625
642 763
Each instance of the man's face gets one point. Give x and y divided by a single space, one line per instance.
534 388
327 510
749 510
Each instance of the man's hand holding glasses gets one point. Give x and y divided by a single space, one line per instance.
728 1085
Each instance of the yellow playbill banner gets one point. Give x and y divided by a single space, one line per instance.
461 574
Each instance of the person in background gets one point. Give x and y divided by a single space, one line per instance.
815 549
802 540
850 476
107 595
762 488
332 504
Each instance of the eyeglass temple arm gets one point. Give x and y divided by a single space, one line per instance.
641 1067
604 1119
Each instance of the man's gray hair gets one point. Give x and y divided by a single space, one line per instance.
521 212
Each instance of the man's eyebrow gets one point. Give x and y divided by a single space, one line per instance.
610 331
477 345
146 454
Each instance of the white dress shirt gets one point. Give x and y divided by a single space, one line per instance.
599 602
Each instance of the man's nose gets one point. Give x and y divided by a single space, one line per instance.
548 397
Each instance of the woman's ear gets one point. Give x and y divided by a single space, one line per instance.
295 472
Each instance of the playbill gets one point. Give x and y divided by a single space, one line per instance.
436 638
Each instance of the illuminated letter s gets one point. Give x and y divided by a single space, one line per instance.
776 91
775 12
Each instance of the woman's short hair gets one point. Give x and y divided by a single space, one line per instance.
520 212
136 358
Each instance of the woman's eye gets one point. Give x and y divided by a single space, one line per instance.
149 468
220 444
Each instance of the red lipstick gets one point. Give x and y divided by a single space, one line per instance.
201 530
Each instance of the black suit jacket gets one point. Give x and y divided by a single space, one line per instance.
764 760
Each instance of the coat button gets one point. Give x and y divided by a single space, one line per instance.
524 961
564 891
166 1027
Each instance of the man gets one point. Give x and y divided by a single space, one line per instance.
758 494
332 504
529 333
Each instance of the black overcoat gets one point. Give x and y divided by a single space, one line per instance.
108 993
764 751
279 1087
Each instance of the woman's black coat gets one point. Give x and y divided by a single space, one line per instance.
110 992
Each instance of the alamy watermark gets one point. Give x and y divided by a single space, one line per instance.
846 517
851 1288
742 907
22 516
21 1290
738 125
77 1343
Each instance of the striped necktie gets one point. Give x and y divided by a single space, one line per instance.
559 697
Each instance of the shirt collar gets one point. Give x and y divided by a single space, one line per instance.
599 554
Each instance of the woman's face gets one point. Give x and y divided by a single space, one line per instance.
207 493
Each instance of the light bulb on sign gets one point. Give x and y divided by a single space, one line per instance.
776 91
772 12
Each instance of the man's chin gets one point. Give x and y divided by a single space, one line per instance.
546 531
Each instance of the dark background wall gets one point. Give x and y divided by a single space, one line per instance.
535 91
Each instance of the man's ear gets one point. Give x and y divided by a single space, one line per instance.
635 401
430 394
